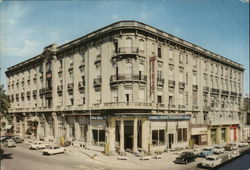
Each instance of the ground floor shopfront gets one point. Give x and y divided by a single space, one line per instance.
222 134
114 133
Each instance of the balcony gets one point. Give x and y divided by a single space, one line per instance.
233 94
97 81
215 91
81 85
22 95
82 63
48 90
28 93
98 58
160 81
127 77
71 66
195 87
59 88
128 50
224 92
171 83
128 105
181 85
206 89
240 94
70 86
160 105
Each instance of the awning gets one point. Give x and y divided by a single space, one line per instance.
8 126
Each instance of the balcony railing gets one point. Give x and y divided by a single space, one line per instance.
97 81
171 106
206 89
47 89
171 83
225 92
160 105
127 77
41 91
22 95
194 107
195 87
217 91
160 81
34 92
128 50
28 93
130 104
181 106
181 85
233 94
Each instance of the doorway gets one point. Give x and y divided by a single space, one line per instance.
170 140
128 135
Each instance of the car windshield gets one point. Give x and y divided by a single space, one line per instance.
217 147
206 149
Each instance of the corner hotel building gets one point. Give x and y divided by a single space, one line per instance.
127 86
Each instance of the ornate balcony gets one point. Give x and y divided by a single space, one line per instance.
28 93
127 77
171 83
128 50
22 95
194 107
206 89
215 91
34 93
128 105
181 85
206 108
195 87
171 106
181 106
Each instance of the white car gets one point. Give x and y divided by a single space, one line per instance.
38 145
51 150
218 149
10 143
211 161
242 144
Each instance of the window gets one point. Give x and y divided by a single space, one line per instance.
159 52
129 70
142 95
181 75
98 96
170 54
171 100
182 135
194 78
158 137
186 78
128 95
159 74
98 70
141 46
159 99
141 71
194 98
171 72
186 99
116 47
98 137
114 95
186 58
181 58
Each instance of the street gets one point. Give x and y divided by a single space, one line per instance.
25 159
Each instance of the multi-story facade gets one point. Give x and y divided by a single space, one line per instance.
127 85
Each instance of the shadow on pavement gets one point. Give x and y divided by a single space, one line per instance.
5 156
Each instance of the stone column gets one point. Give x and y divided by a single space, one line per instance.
54 117
227 134
77 128
135 149
122 135
46 128
112 135
25 125
218 135
145 134
21 128
67 131
89 133
14 124
38 130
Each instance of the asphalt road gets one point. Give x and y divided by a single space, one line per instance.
25 159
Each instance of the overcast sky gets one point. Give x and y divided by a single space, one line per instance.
26 27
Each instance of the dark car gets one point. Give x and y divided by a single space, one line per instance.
185 158
17 139
5 138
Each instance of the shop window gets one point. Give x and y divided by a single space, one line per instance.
158 137
98 137
182 135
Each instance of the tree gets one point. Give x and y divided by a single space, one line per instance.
4 102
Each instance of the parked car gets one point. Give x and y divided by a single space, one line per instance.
5 138
218 149
51 150
206 152
230 147
10 143
18 139
185 158
242 144
211 161
38 145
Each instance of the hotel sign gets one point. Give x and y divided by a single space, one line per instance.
170 117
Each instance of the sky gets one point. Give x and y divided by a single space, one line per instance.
26 27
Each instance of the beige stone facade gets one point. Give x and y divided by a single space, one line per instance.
127 86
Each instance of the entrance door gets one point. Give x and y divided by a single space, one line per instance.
170 140
128 135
